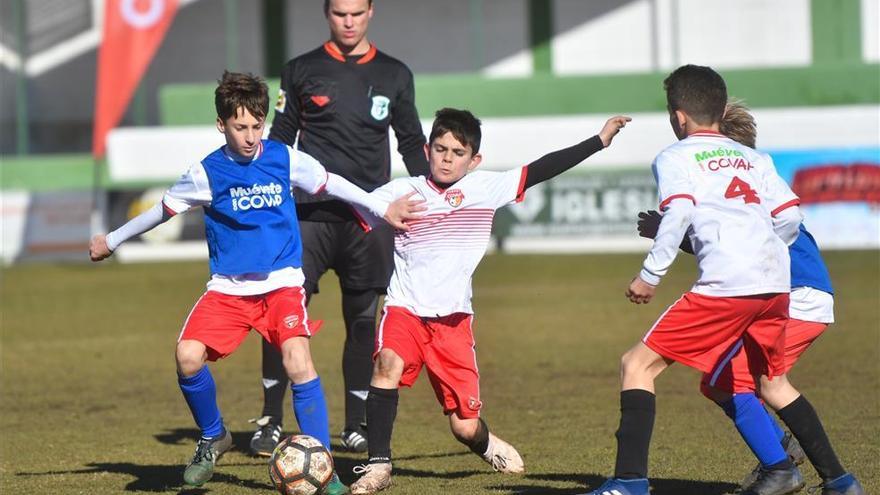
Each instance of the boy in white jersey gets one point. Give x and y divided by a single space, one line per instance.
811 310
740 217
255 259
427 320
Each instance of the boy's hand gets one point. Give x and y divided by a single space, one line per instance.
648 223
640 292
98 249
612 127
404 209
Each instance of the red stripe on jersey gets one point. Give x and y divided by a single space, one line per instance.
363 223
433 186
168 210
370 55
521 189
784 206
707 133
668 200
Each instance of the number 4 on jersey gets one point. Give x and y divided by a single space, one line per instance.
739 187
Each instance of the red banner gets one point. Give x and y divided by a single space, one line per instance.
133 31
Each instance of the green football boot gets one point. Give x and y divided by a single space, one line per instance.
208 452
335 487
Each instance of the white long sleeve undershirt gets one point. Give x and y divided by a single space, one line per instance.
350 193
137 226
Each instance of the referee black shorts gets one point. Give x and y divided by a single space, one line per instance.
361 260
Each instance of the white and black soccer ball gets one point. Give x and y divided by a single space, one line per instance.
300 465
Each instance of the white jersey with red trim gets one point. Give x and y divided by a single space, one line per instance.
435 260
736 192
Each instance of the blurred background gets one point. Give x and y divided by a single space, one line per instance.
542 74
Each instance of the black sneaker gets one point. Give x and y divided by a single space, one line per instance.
795 454
845 485
776 482
208 452
266 437
354 440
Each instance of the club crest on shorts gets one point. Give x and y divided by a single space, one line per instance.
291 320
380 107
474 404
281 102
454 197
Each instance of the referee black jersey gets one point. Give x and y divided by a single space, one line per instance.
342 107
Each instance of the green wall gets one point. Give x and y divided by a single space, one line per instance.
829 84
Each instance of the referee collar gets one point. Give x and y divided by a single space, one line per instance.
334 52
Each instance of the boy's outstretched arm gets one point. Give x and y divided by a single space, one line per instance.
553 164
101 246
397 212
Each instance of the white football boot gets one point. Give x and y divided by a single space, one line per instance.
502 456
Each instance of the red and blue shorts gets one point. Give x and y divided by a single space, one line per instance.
732 373
222 321
699 331
444 346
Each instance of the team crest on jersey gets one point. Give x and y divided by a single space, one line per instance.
474 404
281 102
454 197
291 320
380 107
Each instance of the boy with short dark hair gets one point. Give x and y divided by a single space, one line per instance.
255 258
740 217
427 319
811 310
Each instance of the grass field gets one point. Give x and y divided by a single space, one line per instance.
90 402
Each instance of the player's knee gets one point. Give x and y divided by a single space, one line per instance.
190 356
464 430
388 365
297 360
630 364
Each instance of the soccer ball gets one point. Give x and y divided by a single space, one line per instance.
300 465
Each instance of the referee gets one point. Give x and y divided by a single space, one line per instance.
336 103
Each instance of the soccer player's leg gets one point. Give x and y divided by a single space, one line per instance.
363 263
286 325
802 420
691 331
398 361
732 387
359 313
215 327
318 248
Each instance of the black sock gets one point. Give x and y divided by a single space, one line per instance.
276 377
359 313
634 435
802 420
381 411
480 443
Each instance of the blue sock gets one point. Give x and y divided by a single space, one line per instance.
310 409
780 433
201 397
756 428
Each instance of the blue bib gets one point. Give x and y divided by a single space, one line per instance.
251 224
807 267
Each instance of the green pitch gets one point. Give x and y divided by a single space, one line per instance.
90 402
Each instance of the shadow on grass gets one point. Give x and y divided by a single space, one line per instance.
241 440
587 482
157 478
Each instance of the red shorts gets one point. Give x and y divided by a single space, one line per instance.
699 331
221 321
732 374
445 346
